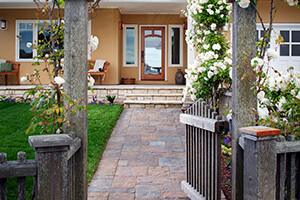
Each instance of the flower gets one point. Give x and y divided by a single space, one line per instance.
29 44
46 55
216 46
59 80
213 26
263 112
279 104
206 46
210 74
265 101
226 140
23 79
94 41
272 53
91 81
261 95
256 62
244 3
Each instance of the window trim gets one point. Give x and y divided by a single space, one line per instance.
277 27
180 26
17 41
135 26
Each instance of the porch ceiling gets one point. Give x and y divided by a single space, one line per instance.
125 6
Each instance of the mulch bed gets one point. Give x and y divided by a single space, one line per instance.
225 177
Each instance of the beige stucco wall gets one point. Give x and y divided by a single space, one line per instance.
133 72
105 27
8 42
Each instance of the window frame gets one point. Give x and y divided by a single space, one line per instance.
277 27
135 27
17 41
180 26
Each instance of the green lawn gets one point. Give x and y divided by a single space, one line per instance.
15 117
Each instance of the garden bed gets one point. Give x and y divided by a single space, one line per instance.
226 177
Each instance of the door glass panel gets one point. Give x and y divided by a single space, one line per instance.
296 50
175 45
157 32
285 35
148 33
295 36
284 50
153 55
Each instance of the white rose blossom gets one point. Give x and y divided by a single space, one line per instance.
272 53
213 26
23 79
216 47
59 80
29 44
94 41
256 62
210 74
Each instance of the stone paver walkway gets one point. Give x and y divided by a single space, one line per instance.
144 158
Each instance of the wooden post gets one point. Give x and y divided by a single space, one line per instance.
3 189
244 49
52 161
260 161
21 180
76 67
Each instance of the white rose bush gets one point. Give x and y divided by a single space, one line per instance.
278 93
211 68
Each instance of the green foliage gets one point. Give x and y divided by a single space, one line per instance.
111 98
211 69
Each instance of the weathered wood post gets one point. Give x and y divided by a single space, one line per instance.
244 49
76 67
260 162
52 161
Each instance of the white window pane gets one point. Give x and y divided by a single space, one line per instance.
153 55
175 34
130 55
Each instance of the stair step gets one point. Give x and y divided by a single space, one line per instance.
154 97
152 104
154 94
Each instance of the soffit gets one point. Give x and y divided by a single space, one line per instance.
125 6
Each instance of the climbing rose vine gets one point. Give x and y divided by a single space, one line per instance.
211 68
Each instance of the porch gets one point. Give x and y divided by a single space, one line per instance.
131 96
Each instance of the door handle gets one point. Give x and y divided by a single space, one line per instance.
142 55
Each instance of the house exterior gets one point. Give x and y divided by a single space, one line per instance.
144 40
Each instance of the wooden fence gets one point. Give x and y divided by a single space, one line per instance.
53 168
203 151
271 164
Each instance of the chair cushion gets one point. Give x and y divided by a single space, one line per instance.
6 67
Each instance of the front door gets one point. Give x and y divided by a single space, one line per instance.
153 53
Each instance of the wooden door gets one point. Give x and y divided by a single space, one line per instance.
153 53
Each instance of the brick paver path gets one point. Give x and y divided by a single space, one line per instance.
144 158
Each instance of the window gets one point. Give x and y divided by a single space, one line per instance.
175 46
25 30
29 31
291 43
130 45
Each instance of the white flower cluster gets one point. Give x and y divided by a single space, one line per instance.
278 83
292 2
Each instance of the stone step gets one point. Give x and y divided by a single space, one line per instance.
152 104
154 96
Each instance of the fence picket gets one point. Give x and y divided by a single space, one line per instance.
3 188
21 180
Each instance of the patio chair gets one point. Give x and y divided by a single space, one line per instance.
15 71
104 72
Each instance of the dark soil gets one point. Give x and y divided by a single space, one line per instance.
226 177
